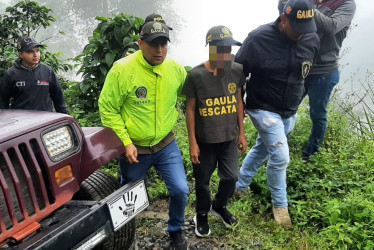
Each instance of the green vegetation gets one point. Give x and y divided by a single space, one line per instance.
26 18
331 198
107 44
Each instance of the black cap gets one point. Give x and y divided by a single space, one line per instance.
281 5
301 15
220 36
27 43
152 30
154 18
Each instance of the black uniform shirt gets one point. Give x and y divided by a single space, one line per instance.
32 89
278 67
217 99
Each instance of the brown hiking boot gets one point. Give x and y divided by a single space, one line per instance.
282 216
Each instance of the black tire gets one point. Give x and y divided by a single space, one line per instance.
96 187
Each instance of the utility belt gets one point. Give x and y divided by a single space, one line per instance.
143 150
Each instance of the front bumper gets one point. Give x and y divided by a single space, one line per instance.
82 224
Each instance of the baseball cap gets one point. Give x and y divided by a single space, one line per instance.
154 17
281 5
221 36
157 18
27 43
154 29
301 15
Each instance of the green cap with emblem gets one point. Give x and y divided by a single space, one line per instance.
220 36
152 30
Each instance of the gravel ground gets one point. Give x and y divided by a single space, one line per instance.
151 233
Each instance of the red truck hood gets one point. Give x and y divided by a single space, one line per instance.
31 120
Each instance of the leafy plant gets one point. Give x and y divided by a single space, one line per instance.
26 18
107 44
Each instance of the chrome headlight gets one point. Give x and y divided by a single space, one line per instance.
59 142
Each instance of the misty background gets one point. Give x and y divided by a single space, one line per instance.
191 20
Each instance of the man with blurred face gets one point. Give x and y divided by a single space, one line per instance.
30 84
220 57
138 102
215 112
278 57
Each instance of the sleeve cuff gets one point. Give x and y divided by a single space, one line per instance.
127 141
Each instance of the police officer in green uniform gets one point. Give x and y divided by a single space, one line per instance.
138 103
133 47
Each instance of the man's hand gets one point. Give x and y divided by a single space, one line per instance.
131 154
242 143
194 153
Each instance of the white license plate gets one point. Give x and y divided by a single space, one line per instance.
128 204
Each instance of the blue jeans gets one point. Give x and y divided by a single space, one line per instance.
271 144
168 163
319 89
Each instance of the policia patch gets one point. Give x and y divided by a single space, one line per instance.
232 88
141 92
305 68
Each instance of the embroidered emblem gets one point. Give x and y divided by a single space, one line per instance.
141 92
288 10
41 82
305 68
158 26
226 31
21 84
232 88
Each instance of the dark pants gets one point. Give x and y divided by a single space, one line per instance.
226 155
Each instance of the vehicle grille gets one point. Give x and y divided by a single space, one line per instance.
24 184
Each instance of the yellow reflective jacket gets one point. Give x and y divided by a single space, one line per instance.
138 100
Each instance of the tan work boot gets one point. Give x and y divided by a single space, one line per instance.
282 216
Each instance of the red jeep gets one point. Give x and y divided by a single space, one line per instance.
52 194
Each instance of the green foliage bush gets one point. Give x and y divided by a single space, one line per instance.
331 198
26 18
106 45
350 221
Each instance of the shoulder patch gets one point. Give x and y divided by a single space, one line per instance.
305 68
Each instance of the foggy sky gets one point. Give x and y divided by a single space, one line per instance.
192 19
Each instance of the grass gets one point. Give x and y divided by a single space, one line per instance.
331 198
